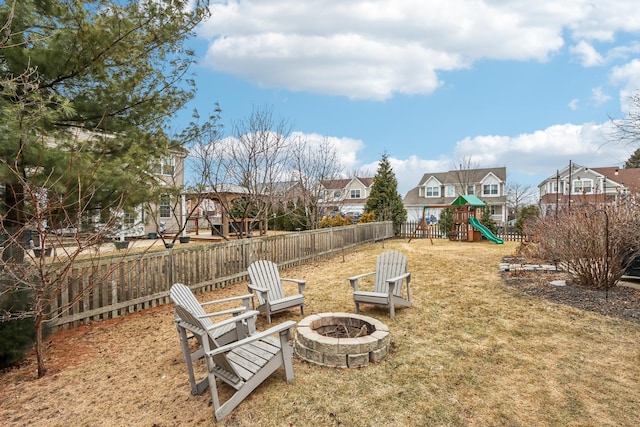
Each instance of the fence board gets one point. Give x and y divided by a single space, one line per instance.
114 285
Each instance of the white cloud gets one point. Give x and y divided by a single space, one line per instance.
573 104
530 157
540 153
587 54
627 76
374 50
599 96
346 148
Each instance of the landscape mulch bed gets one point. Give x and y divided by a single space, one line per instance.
621 301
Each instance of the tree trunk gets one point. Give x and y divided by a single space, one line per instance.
42 370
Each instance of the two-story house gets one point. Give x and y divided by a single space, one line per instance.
440 189
345 195
576 185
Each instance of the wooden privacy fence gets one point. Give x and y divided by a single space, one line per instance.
112 286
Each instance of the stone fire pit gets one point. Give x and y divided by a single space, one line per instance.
342 340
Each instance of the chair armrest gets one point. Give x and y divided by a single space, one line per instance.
301 283
392 282
294 280
257 288
234 319
246 297
353 281
260 335
397 279
234 311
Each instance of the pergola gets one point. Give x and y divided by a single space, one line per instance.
225 195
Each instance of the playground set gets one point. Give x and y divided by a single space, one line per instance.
466 224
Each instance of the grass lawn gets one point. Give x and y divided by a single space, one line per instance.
470 352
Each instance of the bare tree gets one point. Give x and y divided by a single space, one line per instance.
247 165
518 195
311 164
44 270
464 172
628 129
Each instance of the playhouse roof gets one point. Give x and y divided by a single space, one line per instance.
468 200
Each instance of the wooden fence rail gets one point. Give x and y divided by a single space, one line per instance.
113 286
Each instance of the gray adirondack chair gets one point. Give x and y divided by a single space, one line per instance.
266 283
390 276
242 364
224 334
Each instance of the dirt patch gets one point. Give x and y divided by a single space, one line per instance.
621 302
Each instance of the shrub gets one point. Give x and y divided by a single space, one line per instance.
334 221
367 217
580 238
17 336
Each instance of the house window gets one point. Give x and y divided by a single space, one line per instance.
336 194
492 209
128 218
490 189
165 166
471 190
577 187
583 186
432 192
165 207
449 191
355 194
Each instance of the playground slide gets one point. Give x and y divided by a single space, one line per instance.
485 231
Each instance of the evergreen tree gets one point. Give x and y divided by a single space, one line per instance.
634 160
112 68
445 223
488 221
528 215
384 200
86 90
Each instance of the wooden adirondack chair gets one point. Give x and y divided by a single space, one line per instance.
266 283
390 275
224 334
242 364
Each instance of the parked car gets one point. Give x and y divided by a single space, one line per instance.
355 216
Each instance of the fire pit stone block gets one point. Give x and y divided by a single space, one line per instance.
335 339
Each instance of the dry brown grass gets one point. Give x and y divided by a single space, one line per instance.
471 351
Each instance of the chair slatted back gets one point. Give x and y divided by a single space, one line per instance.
181 295
389 264
189 321
265 274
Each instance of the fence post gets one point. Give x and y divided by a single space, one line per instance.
298 246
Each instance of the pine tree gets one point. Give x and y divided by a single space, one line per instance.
634 160
488 221
385 201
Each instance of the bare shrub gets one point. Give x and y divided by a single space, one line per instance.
597 244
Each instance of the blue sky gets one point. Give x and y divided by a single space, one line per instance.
529 85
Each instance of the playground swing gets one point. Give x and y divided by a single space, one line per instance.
466 226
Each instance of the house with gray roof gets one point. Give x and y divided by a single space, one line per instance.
437 190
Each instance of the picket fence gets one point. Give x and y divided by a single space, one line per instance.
408 229
113 286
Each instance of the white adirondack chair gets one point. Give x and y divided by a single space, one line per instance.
390 276
224 334
242 364
266 283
